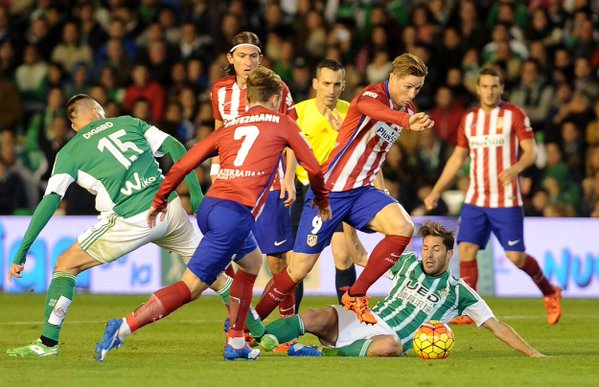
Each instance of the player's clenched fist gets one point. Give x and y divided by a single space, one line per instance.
420 121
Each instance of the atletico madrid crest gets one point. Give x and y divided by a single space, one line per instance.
312 240
499 125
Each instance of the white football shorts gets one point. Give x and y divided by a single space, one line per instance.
351 329
114 236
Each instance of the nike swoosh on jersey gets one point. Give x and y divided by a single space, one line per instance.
277 243
513 243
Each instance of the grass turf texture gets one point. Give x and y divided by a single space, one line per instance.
186 349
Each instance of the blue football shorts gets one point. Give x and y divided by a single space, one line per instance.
355 207
477 223
273 226
227 228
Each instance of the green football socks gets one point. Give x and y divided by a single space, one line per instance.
287 329
58 299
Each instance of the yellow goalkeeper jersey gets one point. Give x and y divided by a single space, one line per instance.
318 131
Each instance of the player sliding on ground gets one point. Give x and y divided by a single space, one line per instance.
421 291
249 147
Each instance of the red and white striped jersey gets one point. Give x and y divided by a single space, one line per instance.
494 142
366 135
249 147
229 101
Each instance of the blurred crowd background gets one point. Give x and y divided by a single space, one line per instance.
157 59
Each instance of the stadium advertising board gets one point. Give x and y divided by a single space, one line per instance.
137 272
567 251
565 248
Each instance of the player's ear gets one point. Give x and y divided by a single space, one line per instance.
230 58
314 83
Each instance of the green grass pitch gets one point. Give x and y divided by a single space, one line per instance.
186 349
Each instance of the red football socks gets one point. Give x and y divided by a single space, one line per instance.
287 306
274 292
241 301
230 271
469 273
532 268
383 257
159 305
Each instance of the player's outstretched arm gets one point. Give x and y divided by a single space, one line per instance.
176 150
454 163
509 336
370 105
186 164
42 214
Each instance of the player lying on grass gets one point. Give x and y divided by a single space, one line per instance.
249 147
113 158
421 291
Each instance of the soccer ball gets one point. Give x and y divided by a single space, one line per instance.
433 340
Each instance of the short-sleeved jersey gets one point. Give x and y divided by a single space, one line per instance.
416 298
229 101
249 148
364 141
493 139
113 158
318 131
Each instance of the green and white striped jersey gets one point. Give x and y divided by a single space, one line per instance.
416 297
112 158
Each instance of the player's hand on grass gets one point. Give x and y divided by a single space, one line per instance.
153 214
15 271
537 355
420 121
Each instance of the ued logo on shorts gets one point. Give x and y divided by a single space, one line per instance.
311 240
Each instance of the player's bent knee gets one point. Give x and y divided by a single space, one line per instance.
74 261
277 263
195 285
406 227
386 346
251 262
342 262
300 266
318 320
401 226
517 257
